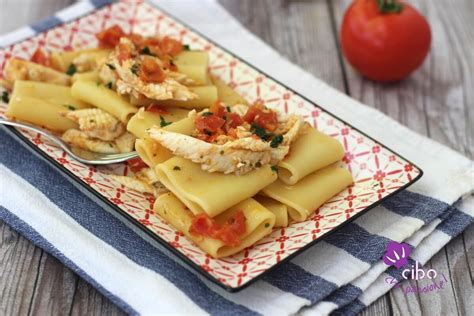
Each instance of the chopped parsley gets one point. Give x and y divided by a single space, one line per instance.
109 85
70 107
176 168
71 70
134 69
206 114
274 169
163 122
5 97
267 225
261 132
276 141
146 51
228 108
112 67
186 47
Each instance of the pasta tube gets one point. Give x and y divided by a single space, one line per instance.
259 223
310 152
52 93
90 75
103 98
143 120
39 112
279 209
226 94
194 65
210 193
151 152
304 197
206 96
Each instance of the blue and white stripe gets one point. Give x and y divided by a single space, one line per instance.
342 274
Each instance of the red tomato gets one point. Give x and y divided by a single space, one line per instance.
265 118
234 120
110 37
40 57
155 108
217 109
382 44
211 123
136 164
171 46
229 233
150 71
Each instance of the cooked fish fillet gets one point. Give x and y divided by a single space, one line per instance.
128 81
126 142
17 69
97 123
82 140
239 156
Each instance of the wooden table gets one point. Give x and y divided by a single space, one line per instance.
437 101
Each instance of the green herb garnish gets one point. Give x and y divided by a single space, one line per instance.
176 168
71 70
146 51
261 132
163 122
207 114
267 225
5 97
112 67
186 47
135 69
228 108
274 169
70 107
109 85
276 141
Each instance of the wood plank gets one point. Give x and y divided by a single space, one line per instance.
19 263
299 30
381 307
434 101
55 287
460 274
87 301
468 242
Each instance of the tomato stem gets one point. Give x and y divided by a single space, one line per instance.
389 6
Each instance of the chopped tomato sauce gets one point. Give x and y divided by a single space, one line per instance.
233 120
171 46
209 124
110 37
136 164
150 71
155 108
124 52
217 109
40 57
261 116
229 233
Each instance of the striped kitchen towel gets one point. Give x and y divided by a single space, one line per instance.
342 274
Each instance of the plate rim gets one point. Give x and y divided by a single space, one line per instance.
75 180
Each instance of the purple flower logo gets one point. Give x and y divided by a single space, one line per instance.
397 254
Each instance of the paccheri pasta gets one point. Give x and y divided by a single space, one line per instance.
225 172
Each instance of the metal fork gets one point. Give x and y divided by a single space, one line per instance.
81 155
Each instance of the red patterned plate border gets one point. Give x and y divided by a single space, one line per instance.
378 171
